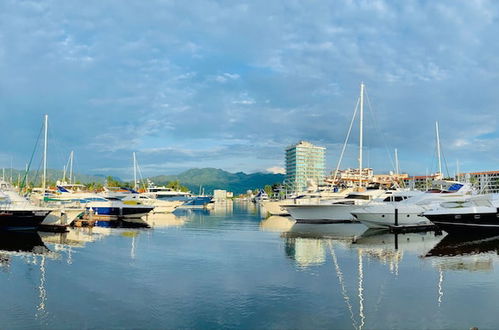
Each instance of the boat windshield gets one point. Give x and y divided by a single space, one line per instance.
355 196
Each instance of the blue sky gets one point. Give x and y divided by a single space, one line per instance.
229 84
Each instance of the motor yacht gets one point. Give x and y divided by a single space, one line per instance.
411 205
18 213
474 215
334 210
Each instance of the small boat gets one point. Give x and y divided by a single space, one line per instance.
261 196
111 213
197 202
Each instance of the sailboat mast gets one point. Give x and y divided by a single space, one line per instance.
45 146
397 170
361 131
438 150
134 172
71 156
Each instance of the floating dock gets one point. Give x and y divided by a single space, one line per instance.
412 228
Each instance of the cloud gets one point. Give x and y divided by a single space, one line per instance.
191 80
222 78
276 170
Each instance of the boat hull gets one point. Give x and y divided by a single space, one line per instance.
480 223
276 207
120 212
21 219
322 214
385 220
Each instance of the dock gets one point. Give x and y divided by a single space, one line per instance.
400 229
53 228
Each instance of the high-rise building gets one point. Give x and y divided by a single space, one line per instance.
304 163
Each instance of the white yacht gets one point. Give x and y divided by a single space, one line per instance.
160 206
163 192
18 213
382 215
278 207
334 210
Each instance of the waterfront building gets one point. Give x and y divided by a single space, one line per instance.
421 182
305 166
220 195
485 182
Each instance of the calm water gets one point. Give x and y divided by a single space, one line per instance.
229 269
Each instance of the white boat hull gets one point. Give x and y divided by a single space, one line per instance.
380 219
320 214
275 207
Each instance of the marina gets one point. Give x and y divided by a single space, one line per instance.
229 267
217 164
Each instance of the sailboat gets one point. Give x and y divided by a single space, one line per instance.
135 198
409 211
339 210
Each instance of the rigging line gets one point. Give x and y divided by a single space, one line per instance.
141 178
433 159
346 141
445 162
377 128
32 156
57 149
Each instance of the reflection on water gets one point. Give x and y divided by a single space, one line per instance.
226 268
457 253
340 231
161 220
277 224
225 207
306 251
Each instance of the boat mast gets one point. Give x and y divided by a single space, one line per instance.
45 145
134 172
71 156
438 150
397 170
361 127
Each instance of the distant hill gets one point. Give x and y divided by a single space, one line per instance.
213 178
52 176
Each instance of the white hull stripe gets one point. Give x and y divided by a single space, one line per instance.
464 224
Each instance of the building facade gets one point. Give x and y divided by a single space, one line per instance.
305 166
484 182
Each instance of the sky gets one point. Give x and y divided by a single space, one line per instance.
230 84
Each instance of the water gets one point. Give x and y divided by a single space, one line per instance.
229 269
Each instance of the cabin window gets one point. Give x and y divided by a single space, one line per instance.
382 215
408 215
363 197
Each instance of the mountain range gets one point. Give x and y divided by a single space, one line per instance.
213 178
207 178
